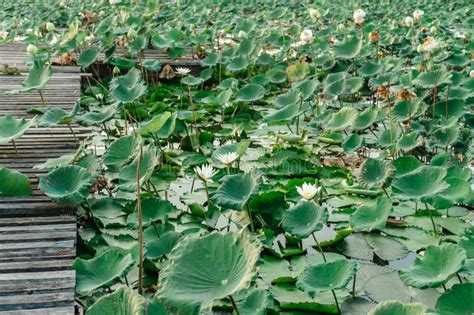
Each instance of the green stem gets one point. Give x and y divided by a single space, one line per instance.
252 228
354 286
207 194
319 246
431 218
14 146
337 303
234 305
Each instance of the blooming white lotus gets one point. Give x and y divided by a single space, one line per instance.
359 16
227 158
50 27
408 21
471 74
417 14
306 36
308 191
205 172
430 44
183 71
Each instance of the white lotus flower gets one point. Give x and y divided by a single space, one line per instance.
50 27
471 74
430 44
408 21
417 14
227 158
183 71
308 191
3 34
242 35
306 35
114 2
89 38
314 14
54 41
31 50
420 49
359 16
205 172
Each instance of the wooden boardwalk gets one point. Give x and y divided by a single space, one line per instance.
37 236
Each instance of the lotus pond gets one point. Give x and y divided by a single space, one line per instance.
319 159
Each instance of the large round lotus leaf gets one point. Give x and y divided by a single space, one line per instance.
52 117
13 183
297 71
67 184
284 114
210 60
236 190
128 175
373 172
406 164
398 308
237 64
352 143
204 269
307 88
256 302
153 210
124 301
37 78
11 128
457 300
304 219
95 118
432 79
405 109
452 108
250 93
423 181
191 80
365 119
128 87
372 216
437 266
87 57
102 270
155 124
349 48
357 306
342 119
120 151
370 69
327 276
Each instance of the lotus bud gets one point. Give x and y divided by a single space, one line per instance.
359 16
374 37
420 49
50 27
417 14
242 35
408 21
314 14
132 33
340 27
32 50
116 70
433 29
471 74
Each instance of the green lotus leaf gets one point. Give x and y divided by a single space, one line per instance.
155 124
433 79
153 211
307 88
452 108
283 100
256 302
372 216
409 141
398 308
357 306
191 80
120 151
37 78
342 119
365 246
349 48
163 245
12 128
390 135
352 143
373 172
327 276
127 177
102 270
236 190
447 136
304 218
458 60
210 60
13 183
87 57
284 114
97 117
52 117
436 267
276 75
297 71
365 119
123 301
67 184
406 164
370 69
128 87
237 64
404 110
151 65
250 93
457 300
422 182
204 269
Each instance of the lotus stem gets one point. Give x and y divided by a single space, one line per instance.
319 246
335 300
207 193
72 132
252 228
43 102
431 218
385 191
234 305
192 185
354 285
459 277
14 146
140 223
194 114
